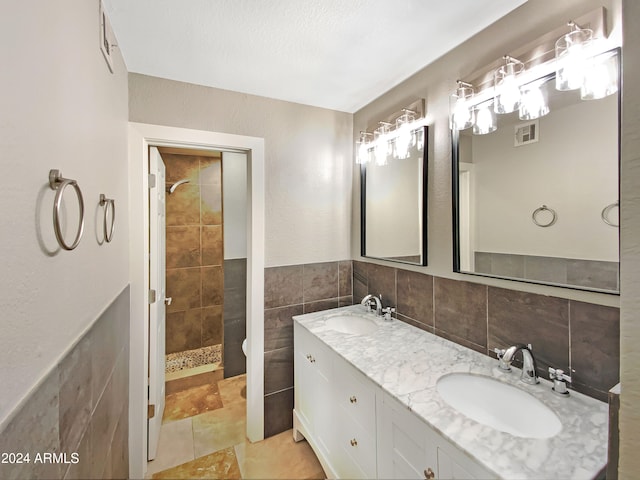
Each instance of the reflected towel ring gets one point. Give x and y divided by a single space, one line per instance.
56 182
105 202
544 208
605 214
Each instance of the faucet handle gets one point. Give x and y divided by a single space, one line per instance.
501 363
387 312
560 380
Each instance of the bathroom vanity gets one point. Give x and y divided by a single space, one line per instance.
367 401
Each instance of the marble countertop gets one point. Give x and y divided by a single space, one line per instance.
406 362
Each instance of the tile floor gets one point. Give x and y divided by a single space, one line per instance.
203 436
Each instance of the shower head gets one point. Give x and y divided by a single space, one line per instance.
173 187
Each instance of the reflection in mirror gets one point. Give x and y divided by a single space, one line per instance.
393 206
536 200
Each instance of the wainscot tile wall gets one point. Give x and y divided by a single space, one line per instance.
294 290
574 336
81 407
235 316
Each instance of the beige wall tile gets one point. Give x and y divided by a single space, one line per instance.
183 246
212 245
184 287
183 206
212 286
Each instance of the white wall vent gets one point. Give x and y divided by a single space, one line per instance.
526 133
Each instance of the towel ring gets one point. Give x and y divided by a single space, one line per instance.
605 214
544 208
105 202
57 183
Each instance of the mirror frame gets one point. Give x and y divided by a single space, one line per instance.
423 217
455 197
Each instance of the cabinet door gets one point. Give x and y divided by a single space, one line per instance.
312 370
403 448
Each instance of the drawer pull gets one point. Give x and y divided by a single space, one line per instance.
429 474
353 399
310 358
354 442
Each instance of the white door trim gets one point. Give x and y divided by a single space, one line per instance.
140 137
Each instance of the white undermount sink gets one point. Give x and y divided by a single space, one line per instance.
498 405
353 324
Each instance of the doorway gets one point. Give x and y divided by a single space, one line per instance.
141 137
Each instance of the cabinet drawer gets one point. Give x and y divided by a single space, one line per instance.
355 394
313 350
355 448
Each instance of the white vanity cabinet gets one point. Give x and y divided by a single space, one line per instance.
312 378
408 448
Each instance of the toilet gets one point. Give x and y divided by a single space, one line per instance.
244 347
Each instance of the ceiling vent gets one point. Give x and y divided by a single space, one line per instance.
527 133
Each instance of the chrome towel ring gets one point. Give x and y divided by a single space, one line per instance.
56 182
541 209
605 214
105 202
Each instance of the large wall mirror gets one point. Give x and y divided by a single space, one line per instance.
394 206
537 200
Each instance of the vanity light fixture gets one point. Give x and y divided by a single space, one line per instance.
572 53
363 146
485 121
506 85
460 106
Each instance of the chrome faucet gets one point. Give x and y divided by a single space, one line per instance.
368 300
529 374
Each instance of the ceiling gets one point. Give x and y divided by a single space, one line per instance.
336 54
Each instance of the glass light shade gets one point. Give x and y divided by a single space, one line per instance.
405 137
460 107
601 77
533 103
486 121
382 147
363 148
507 90
572 54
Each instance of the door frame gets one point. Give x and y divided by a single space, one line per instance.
141 136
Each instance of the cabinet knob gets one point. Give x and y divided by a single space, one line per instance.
429 474
313 360
354 442
353 399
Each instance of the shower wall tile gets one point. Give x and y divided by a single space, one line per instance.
184 330
183 206
461 310
195 273
183 246
212 286
180 167
211 205
184 287
519 317
212 326
80 406
595 346
212 245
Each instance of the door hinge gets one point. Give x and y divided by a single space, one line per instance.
152 296
151 411
152 180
